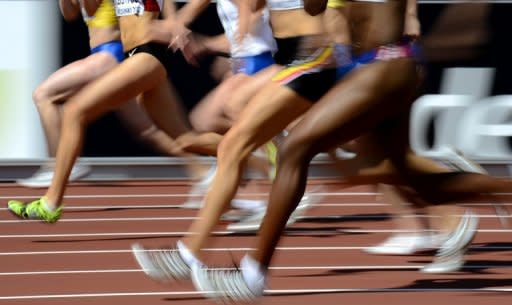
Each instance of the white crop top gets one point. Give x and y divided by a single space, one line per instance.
281 5
137 7
258 41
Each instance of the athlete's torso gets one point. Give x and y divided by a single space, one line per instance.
288 19
103 26
134 17
258 41
375 23
137 7
105 16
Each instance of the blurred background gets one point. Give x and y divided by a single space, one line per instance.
466 50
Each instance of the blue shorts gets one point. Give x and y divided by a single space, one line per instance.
402 49
250 65
113 47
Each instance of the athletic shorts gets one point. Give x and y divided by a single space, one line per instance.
115 48
403 49
286 50
310 67
251 65
159 51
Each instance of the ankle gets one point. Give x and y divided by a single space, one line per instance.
186 254
48 204
253 273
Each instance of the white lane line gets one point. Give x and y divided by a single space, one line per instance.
289 232
267 292
114 251
237 249
285 268
117 219
86 196
179 195
176 206
187 218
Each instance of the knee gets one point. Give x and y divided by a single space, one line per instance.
204 123
294 149
233 149
41 96
73 114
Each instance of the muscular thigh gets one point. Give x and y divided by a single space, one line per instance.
247 89
356 105
269 112
132 77
69 79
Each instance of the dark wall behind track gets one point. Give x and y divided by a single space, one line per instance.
107 137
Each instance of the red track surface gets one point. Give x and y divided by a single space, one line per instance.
85 258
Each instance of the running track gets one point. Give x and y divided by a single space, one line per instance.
85 258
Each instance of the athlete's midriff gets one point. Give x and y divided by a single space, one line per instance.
134 29
98 36
295 22
103 26
375 24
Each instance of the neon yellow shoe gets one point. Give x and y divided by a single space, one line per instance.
271 150
34 210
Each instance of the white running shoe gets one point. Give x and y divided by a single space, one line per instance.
43 177
243 208
198 191
163 265
457 160
252 222
225 285
407 244
450 257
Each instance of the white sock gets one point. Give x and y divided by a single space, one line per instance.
47 205
246 204
253 274
210 174
187 255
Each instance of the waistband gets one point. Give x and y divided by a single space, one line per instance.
114 47
402 49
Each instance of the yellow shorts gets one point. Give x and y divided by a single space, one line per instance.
335 3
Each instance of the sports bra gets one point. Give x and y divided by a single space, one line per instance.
104 17
137 7
281 5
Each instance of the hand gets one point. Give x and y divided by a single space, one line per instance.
179 37
194 49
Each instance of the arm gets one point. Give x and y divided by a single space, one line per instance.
217 44
161 30
249 12
70 9
198 45
336 22
315 7
189 12
412 25
256 5
91 6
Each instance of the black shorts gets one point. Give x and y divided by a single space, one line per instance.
310 66
159 51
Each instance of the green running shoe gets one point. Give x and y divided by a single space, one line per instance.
271 151
34 210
